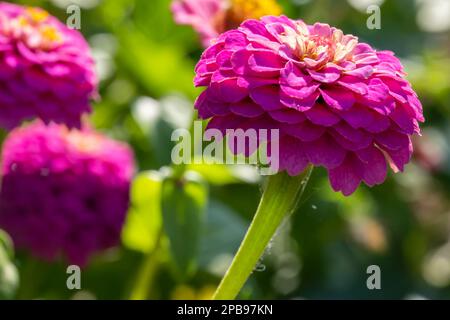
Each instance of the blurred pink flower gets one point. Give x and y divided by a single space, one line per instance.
338 103
212 17
64 192
46 70
205 16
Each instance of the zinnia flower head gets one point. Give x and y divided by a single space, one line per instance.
46 70
338 103
64 192
212 17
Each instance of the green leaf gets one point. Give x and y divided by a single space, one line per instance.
219 240
184 203
159 68
9 277
144 220
222 174
158 119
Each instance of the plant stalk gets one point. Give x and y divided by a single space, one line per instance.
279 200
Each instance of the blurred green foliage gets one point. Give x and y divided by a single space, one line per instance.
146 65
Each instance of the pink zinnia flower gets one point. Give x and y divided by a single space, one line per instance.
205 16
212 17
338 103
64 192
46 70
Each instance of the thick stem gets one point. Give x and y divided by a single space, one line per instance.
278 201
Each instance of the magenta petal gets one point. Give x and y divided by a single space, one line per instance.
378 91
292 76
239 61
305 131
265 63
254 82
379 124
417 107
322 116
218 108
227 91
223 58
366 58
287 115
300 92
392 140
399 158
201 105
363 72
396 89
254 27
247 109
338 99
362 117
374 165
347 177
403 116
351 139
222 75
268 97
292 156
363 48
297 103
225 122
38 80
350 133
325 75
354 84
325 152
235 39
358 116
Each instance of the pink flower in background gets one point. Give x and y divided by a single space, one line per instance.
338 103
205 16
64 192
212 17
46 70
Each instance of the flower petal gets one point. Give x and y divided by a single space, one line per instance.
338 99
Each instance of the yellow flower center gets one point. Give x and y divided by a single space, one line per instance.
36 15
241 10
33 28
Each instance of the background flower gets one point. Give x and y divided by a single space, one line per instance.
64 192
338 103
46 70
212 17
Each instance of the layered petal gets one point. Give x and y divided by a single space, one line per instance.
337 103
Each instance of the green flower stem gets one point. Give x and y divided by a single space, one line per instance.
146 275
278 201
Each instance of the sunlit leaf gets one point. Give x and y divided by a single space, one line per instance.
144 219
9 277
